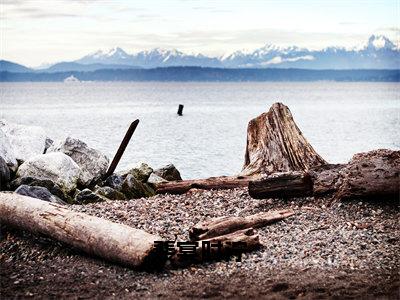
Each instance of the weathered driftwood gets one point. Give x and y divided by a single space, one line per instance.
182 186
248 239
111 241
225 225
325 178
276 144
373 174
282 185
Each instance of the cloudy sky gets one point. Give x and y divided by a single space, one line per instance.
39 31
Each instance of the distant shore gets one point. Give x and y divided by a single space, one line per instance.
200 74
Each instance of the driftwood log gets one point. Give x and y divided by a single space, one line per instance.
225 225
373 175
112 241
248 239
282 185
220 183
276 144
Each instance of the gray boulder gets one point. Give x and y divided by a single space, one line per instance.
26 141
46 183
39 193
141 172
114 181
93 163
7 152
87 196
169 173
56 166
110 193
155 179
4 174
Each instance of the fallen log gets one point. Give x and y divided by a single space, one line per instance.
282 185
220 183
370 175
217 248
112 241
276 144
225 225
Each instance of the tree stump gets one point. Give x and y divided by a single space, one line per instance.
276 144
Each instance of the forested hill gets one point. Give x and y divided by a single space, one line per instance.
208 74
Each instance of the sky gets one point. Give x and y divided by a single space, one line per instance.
34 32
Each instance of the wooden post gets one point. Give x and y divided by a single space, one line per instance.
180 109
122 148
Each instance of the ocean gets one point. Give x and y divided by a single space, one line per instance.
338 119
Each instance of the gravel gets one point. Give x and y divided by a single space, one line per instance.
327 249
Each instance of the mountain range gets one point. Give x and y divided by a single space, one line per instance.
378 53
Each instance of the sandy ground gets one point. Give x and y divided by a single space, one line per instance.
327 250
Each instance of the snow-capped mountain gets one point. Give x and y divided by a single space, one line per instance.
150 58
377 53
115 56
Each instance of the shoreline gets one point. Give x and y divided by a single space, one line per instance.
355 256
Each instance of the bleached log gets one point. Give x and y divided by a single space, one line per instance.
218 183
372 175
282 185
248 239
225 225
112 241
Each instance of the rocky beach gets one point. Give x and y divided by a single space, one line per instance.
339 238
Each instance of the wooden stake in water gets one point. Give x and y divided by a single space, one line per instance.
122 148
180 109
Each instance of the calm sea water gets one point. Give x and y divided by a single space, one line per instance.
339 119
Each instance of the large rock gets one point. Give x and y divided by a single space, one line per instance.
39 193
4 174
56 166
141 172
133 188
26 141
87 196
169 173
114 181
110 193
93 163
7 152
276 144
155 179
51 186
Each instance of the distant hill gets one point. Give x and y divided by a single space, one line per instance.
73 66
209 74
8 66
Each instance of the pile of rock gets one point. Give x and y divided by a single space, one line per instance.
68 171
